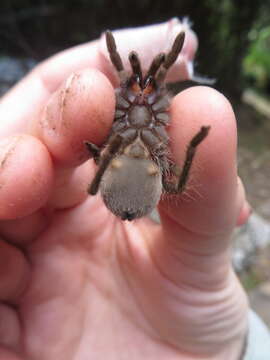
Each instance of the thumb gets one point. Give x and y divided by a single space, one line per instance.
197 225
207 306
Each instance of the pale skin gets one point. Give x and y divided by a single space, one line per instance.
76 283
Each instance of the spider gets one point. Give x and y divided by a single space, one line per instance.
133 164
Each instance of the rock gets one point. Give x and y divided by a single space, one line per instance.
254 235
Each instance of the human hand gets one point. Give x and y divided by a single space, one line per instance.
77 283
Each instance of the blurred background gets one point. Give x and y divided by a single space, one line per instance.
234 48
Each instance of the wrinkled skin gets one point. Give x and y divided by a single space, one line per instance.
77 283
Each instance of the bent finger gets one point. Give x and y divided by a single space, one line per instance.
22 231
194 248
81 109
26 176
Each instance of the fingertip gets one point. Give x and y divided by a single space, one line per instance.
213 176
22 231
198 107
82 109
26 176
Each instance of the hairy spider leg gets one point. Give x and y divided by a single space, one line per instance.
179 187
136 65
171 57
155 65
94 151
105 160
115 57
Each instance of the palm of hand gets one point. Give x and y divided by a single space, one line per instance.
94 290
97 291
103 289
82 298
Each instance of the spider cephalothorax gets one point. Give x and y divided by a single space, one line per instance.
134 167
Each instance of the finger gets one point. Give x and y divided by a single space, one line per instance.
24 230
26 176
82 109
196 237
14 273
192 255
213 177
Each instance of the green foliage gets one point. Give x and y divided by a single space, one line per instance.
256 64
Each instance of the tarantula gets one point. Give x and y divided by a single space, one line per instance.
133 164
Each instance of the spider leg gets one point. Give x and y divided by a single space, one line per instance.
173 188
94 151
115 56
105 160
171 57
135 65
155 65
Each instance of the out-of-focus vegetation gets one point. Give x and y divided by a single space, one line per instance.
257 61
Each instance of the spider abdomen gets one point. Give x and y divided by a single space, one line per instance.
131 186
